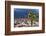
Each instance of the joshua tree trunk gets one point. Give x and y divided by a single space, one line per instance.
31 22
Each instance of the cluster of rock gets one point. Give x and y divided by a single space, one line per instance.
23 22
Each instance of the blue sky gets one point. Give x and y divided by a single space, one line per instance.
18 13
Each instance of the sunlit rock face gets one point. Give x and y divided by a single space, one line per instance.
23 22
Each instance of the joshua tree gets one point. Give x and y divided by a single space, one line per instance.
32 16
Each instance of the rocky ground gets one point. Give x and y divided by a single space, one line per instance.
27 25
